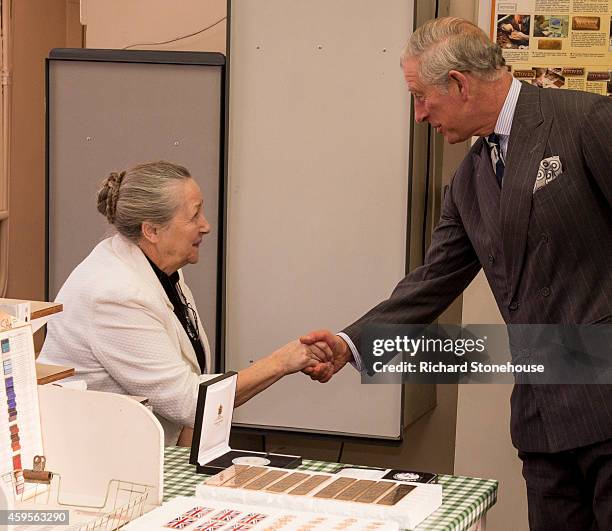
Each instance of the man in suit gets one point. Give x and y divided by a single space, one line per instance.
531 205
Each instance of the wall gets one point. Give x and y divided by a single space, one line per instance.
134 23
38 26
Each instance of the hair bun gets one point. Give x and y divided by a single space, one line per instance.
108 195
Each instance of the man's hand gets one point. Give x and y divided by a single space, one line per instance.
340 351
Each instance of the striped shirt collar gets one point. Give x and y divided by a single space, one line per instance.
504 120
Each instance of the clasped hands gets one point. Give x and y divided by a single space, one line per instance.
328 352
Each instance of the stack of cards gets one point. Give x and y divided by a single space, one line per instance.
191 515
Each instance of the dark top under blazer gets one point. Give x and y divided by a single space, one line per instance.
171 286
546 255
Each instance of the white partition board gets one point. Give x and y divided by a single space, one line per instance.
317 195
110 110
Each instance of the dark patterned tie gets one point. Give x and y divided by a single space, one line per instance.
496 157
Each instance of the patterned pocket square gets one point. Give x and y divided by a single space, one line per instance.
548 171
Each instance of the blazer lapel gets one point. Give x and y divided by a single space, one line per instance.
488 191
132 255
186 346
527 143
203 336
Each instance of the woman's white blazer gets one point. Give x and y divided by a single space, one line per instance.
118 330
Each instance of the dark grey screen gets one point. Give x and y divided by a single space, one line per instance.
108 116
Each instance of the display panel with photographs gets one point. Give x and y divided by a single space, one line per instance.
560 45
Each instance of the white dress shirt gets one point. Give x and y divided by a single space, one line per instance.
504 120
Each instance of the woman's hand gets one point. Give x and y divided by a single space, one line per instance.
291 358
295 356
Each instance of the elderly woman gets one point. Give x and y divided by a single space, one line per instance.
130 323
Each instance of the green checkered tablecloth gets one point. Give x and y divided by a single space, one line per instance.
464 500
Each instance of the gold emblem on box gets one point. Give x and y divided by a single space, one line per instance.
219 418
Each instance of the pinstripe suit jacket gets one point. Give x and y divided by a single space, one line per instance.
546 254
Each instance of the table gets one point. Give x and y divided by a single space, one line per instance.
40 309
51 373
464 500
40 313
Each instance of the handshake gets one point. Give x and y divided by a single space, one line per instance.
319 354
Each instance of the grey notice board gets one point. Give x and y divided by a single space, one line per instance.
318 184
108 110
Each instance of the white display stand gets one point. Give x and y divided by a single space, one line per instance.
98 457
105 455
91 438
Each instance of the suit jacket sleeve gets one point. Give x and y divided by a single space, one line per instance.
131 342
450 265
595 136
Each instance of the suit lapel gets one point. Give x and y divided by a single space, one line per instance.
488 191
527 143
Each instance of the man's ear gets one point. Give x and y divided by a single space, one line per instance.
150 231
461 81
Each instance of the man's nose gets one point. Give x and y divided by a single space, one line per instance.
420 113
205 227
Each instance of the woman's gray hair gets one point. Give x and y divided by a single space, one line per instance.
451 43
143 193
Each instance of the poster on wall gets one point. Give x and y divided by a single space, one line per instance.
564 44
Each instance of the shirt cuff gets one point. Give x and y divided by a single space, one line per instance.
357 363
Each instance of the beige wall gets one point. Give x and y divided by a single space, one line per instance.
37 26
132 23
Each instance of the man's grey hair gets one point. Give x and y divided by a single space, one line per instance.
451 43
146 192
